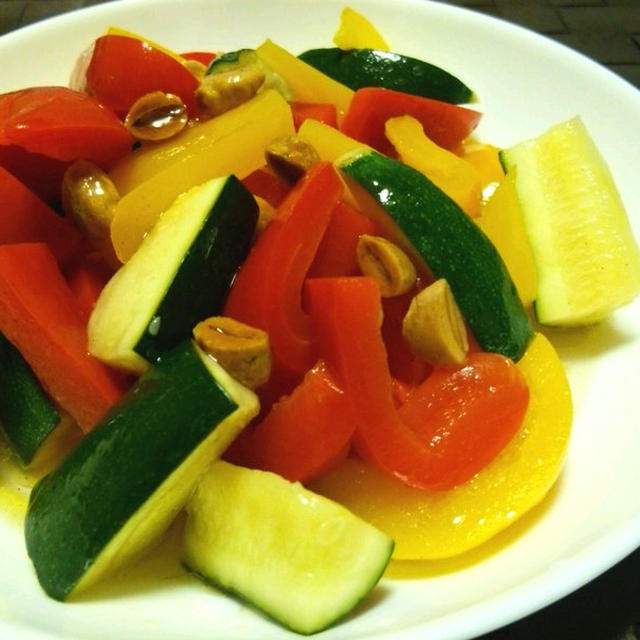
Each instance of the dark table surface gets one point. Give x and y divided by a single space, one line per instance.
607 31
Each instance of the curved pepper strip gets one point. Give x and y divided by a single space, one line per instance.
337 253
346 316
267 292
304 435
430 526
466 415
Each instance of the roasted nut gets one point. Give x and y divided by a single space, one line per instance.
89 198
290 157
156 116
240 349
433 326
266 214
219 92
196 68
387 263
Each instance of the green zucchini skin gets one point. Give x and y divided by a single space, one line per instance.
359 68
76 511
308 579
200 286
452 247
232 60
26 413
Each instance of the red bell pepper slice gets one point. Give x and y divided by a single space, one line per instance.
87 279
266 185
446 124
62 124
203 57
302 111
305 434
25 218
467 414
41 175
123 69
38 314
267 292
404 364
346 315
336 255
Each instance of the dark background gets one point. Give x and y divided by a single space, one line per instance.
609 32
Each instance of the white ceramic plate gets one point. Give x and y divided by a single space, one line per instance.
526 83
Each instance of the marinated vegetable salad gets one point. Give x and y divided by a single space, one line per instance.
294 298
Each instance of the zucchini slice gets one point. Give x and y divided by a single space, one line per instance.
180 275
304 560
119 490
583 246
450 244
246 58
26 413
359 68
232 60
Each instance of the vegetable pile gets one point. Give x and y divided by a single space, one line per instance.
294 297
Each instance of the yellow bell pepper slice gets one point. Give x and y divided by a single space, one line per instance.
502 222
429 526
330 144
306 83
455 176
486 159
327 141
151 159
239 152
356 32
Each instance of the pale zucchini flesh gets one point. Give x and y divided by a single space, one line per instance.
586 256
300 558
179 275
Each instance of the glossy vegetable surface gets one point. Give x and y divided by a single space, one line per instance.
451 245
440 525
40 316
427 446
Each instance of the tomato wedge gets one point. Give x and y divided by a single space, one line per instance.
123 69
62 124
